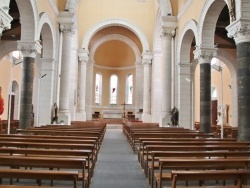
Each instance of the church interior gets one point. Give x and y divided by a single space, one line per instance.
124 71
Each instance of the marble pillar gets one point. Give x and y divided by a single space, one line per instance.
167 35
204 56
89 91
83 60
67 28
29 51
240 31
146 61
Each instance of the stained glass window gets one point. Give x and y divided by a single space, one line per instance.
113 89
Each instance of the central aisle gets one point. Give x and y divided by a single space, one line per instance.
117 165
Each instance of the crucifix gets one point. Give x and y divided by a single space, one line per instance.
124 110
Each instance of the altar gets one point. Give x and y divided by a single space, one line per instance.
112 114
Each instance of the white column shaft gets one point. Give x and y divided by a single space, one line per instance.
146 90
65 73
166 78
89 92
82 86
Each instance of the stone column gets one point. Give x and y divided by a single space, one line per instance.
240 31
184 98
89 91
156 87
46 85
29 51
5 19
139 89
83 58
146 61
67 28
167 34
204 56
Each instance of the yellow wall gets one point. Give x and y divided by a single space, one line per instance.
142 14
44 6
106 74
5 74
193 12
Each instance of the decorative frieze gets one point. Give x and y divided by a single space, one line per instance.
67 22
29 49
239 30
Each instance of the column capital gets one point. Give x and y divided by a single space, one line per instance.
29 48
67 22
83 55
204 55
5 20
147 58
168 26
239 30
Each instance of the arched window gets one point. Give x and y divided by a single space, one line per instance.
98 88
129 89
113 89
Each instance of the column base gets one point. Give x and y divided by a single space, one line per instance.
64 118
80 116
146 118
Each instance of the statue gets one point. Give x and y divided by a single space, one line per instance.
54 114
1 103
223 114
174 116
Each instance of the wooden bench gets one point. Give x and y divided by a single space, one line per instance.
39 174
47 163
90 162
197 164
135 136
240 176
156 155
143 144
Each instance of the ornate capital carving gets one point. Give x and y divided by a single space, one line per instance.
205 55
239 30
168 32
147 58
5 20
29 49
168 26
67 22
83 55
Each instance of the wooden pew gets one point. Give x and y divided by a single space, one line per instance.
90 161
156 155
38 174
241 176
136 136
197 164
46 162
143 144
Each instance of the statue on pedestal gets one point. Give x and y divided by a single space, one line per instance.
222 113
54 114
174 116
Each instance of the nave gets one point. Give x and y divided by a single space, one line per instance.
117 165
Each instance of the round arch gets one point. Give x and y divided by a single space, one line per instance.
47 30
208 19
29 18
189 32
115 22
7 47
118 37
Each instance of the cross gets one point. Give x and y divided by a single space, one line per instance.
124 109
